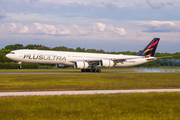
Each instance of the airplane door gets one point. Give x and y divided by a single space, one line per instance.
20 54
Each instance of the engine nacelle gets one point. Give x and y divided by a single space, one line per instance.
61 66
81 65
107 63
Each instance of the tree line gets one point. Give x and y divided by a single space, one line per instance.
9 64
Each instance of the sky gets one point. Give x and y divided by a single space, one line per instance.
111 25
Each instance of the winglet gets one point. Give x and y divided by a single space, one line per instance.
150 49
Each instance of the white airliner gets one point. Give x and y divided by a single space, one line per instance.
87 62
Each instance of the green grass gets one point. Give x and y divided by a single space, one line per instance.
138 106
150 106
88 81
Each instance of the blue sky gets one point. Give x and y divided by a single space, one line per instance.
111 25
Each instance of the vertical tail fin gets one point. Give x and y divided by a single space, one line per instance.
150 49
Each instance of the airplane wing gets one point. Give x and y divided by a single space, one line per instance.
96 61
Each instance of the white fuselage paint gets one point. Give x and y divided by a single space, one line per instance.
66 58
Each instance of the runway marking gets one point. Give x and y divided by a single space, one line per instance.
86 92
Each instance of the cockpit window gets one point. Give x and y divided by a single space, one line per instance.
12 53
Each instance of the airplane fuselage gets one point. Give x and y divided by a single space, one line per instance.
68 58
84 61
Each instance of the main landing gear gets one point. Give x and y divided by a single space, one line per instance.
90 70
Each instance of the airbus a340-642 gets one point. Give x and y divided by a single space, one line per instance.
87 62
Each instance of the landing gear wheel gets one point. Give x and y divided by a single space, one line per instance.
90 70
87 70
83 70
98 70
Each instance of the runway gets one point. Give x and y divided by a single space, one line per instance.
38 72
86 92
69 72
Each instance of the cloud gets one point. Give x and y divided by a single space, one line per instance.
61 30
109 28
100 29
155 5
33 1
2 13
116 30
80 31
79 4
170 4
120 31
111 5
99 26
159 26
35 28
158 5
14 28
50 29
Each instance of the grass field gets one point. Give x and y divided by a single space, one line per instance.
150 106
88 81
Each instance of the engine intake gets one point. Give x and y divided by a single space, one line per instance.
61 66
107 63
81 65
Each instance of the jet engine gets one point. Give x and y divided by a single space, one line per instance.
81 65
61 66
107 63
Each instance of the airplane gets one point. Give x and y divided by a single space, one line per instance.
87 62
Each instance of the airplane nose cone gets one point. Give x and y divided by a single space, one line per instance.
7 56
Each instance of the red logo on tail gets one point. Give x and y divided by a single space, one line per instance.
153 44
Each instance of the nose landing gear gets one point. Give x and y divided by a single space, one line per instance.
20 65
